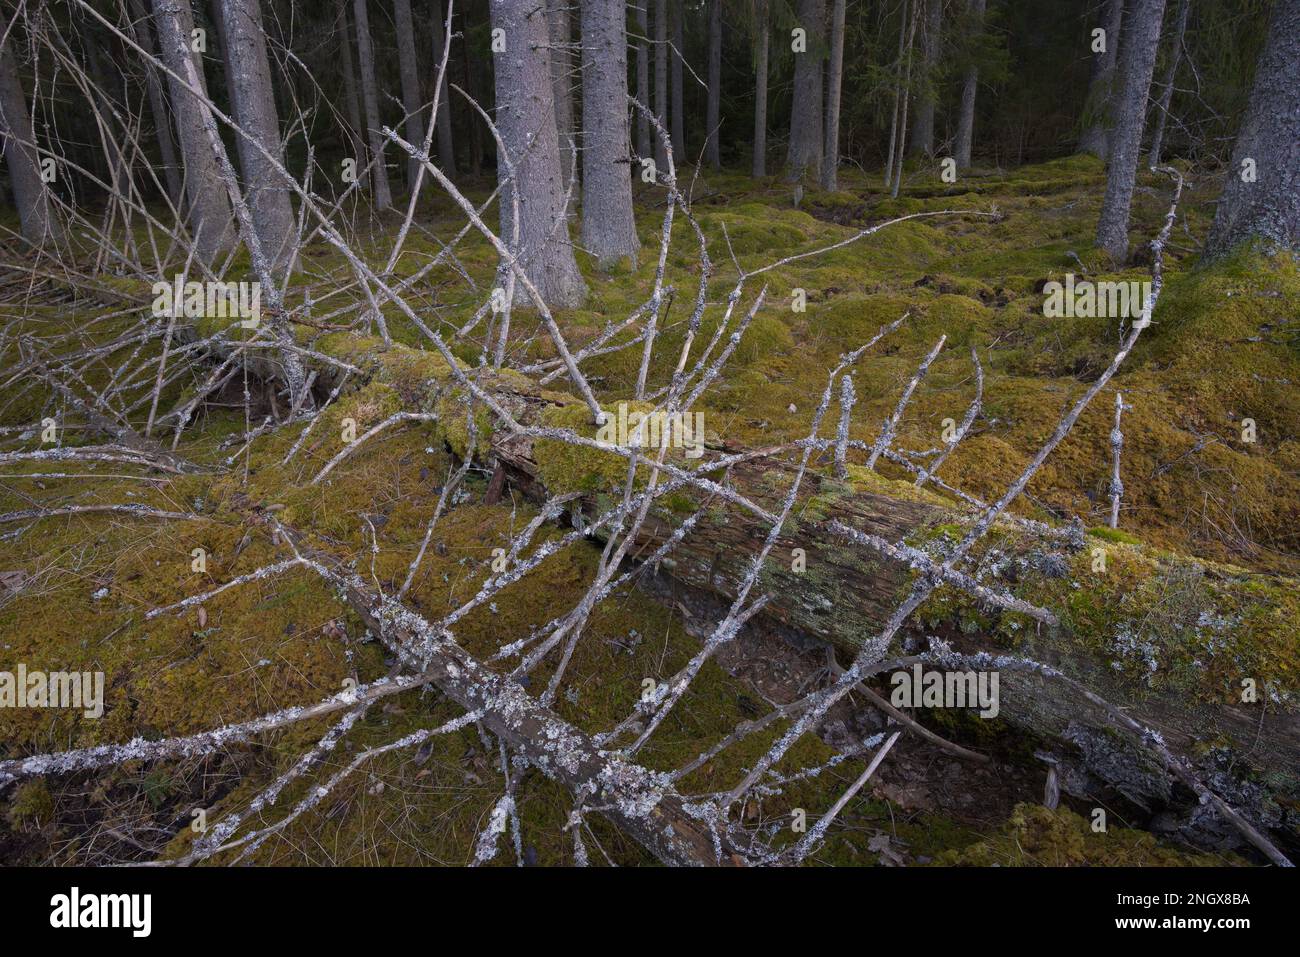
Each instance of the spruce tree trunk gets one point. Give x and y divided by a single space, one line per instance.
898 93
804 155
760 90
608 228
644 147
408 68
525 116
351 103
834 81
713 107
382 194
1137 63
970 84
138 30
248 75
923 120
1161 107
1097 108
677 114
661 83
446 151
1261 199
30 194
560 29
210 217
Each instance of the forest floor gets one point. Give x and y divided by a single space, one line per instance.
1203 564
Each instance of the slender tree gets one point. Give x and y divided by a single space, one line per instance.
643 144
31 194
677 114
969 86
903 19
138 31
351 103
408 69
762 31
923 121
1261 196
525 116
804 154
1161 106
1137 62
438 28
834 82
1097 107
382 193
713 105
661 79
248 75
210 217
608 227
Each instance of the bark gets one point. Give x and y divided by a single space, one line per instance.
210 217
560 28
1167 87
898 94
661 80
970 84
713 105
923 121
760 90
382 193
804 155
1096 135
644 146
138 29
438 27
1267 209
677 113
608 227
30 194
834 82
408 67
248 75
1136 65
525 116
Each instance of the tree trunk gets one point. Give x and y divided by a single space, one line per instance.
446 152
966 118
525 115
351 104
898 94
834 81
408 67
30 194
1261 198
644 146
382 194
1167 88
560 28
1097 107
210 217
661 82
713 107
804 155
923 122
608 227
248 76
138 30
677 114
1136 65
760 90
